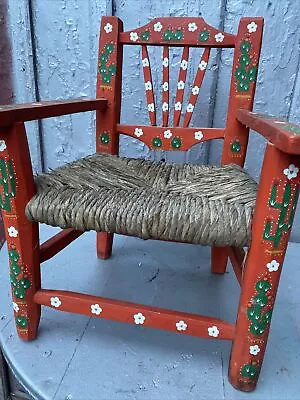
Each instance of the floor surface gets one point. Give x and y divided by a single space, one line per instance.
80 358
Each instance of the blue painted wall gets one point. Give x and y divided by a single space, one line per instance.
52 53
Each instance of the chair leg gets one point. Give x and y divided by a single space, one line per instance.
104 244
219 258
275 207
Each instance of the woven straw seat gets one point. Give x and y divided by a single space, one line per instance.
152 200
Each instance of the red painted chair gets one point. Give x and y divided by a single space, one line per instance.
258 272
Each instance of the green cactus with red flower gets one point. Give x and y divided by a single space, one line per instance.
21 285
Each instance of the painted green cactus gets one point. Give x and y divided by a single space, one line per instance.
249 371
259 320
145 36
8 183
203 36
157 142
105 71
21 322
169 35
245 74
236 146
104 138
176 143
282 226
19 286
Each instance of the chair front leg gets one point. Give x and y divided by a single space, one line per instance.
16 189
273 217
219 258
104 244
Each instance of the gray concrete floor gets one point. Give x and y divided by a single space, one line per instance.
80 358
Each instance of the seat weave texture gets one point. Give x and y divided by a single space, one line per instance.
207 205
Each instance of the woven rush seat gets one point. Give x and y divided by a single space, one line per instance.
208 205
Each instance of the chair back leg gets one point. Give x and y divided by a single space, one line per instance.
219 258
104 244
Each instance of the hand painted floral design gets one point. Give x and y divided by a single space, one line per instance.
202 65
291 172
190 108
165 62
148 85
273 266
96 309
133 36
178 106
15 307
139 318
108 28
165 86
180 85
181 325
138 132
184 64
195 90
165 106
192 27
157 26
254 350
55 302
198 135
219 37
12 231
252 27
151 107
145 62
213 331
167 134
203 36
2 145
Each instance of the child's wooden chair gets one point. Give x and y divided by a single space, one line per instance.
194 204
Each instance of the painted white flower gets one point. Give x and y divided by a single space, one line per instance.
180 85
291 172
145 62
165 86
96 309
165 106
184 64
181 325
192 27
108 28
219 37
157 27
190 108
195 90
167 134
213 331
133 36
55 302
2 145
252 27
202 65
254 350
177 106
139 318
166 62
15 307
138 132
198 135
12 232
151 107
148 85
273 266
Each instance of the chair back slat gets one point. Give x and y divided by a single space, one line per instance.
148 85
180 86
165 87
196 87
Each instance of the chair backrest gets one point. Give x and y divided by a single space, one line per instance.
177 32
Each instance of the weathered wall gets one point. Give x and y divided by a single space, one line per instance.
54 55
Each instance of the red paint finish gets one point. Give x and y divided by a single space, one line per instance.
165 86
22 236
181 85
189 136
196 325
148 85
262 267
219 258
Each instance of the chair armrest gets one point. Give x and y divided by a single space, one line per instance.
284 135
30 111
